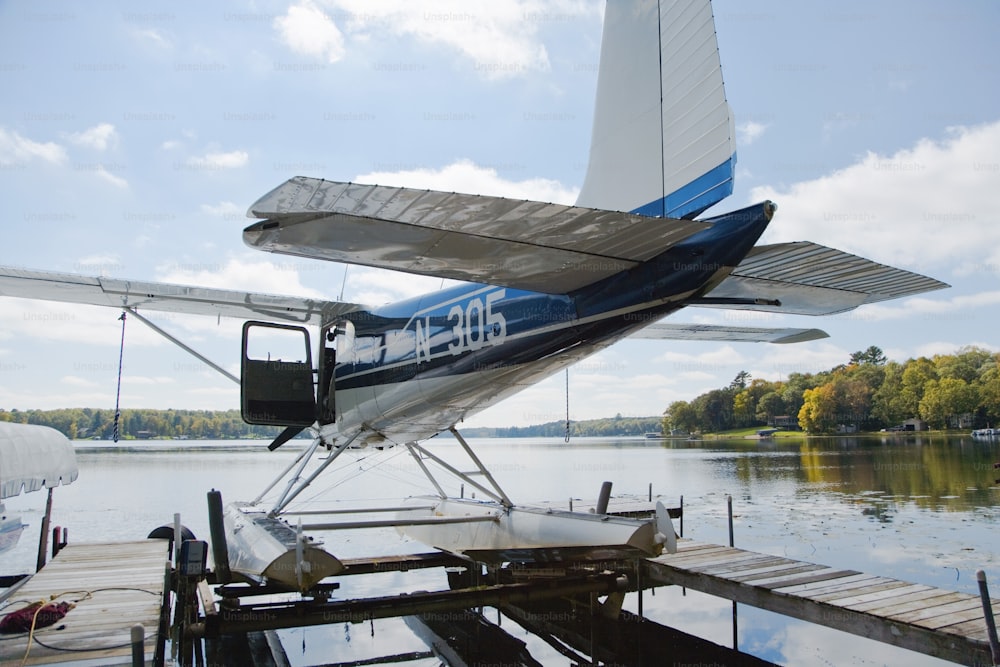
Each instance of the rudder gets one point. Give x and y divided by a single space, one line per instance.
663 141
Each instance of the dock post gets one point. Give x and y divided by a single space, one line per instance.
603 498
178 538
650 492
43 539
729 504
138 635
991 627
217 531
682 516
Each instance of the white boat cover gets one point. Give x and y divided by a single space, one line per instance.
32 457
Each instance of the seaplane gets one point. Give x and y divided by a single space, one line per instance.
542 286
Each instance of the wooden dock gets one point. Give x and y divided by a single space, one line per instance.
114 587
929 620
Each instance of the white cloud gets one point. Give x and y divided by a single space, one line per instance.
153 37
218 161
250 276
466 176
928 307
749 132
15 149
307 30
499 39
100 137
890 207
108 177
76 381
70 322
225 209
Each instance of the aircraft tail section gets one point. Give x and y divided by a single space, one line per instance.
663 142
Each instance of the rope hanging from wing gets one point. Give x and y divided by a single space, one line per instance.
118 393
566 437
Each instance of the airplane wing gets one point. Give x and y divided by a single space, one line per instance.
710 332
810 279
549 248
102 291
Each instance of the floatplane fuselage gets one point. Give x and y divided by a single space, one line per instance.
412 369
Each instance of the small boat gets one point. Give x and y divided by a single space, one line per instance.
986 433
10 529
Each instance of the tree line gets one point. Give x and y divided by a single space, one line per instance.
960 390
605 427
84 423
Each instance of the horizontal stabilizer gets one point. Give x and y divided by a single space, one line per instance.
710 332
550 248
117 293
809 279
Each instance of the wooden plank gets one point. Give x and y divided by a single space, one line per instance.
682 558
853 593
971 614
975 629
858 596
731 562
966 602
820 575
891 611
878 605
762 561
704 561
820 587
882 594
789 574
771 571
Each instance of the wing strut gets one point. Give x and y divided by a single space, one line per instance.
182 345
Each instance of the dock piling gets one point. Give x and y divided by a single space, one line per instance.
729 504
138 636
217 532
991 626
604 498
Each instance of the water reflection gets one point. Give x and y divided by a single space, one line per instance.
919 508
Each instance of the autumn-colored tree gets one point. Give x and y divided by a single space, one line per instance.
819 409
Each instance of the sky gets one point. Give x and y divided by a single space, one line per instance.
133 137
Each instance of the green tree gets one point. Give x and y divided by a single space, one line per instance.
740 381
680 415
889 407
916 374
873 355
770 406
946 399
967 364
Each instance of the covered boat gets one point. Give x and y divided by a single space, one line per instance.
31 458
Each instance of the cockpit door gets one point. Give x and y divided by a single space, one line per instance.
276 383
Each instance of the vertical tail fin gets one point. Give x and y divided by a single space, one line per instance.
662 141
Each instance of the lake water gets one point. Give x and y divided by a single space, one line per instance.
919 508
